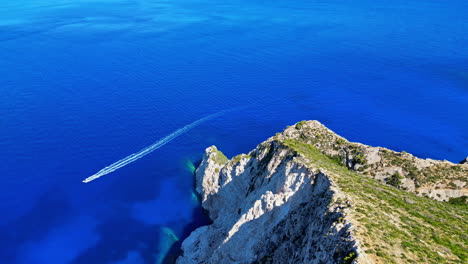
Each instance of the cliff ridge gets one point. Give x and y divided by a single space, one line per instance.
307 195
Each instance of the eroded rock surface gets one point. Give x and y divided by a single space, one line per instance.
275 205
269 208
440 180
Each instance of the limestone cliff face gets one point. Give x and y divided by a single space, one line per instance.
280 203
267 207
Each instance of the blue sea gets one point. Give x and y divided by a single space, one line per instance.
86 83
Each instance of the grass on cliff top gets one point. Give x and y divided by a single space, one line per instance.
238 158
395 226
220 158
446 173
432 174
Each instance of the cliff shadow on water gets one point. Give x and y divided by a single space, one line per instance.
199 218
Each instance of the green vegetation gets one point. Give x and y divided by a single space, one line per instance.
330 143
239 157
336 158
312 153
349 259
395 180
299 125
395 226
340 141
220 158
461 201
430 174
360 159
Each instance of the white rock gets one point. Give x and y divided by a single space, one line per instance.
268 209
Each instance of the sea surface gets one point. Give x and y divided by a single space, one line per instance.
86 83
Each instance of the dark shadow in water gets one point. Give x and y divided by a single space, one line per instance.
200 218
51 210
118 237
119 232
122 233
196 164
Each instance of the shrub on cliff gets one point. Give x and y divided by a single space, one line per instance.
299 125
463 200
395 180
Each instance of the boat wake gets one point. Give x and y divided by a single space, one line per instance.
163 141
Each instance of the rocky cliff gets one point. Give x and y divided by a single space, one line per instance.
440 180
308 195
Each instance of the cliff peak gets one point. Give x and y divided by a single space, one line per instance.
308 195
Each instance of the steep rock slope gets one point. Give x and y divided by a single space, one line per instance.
440 180
291 200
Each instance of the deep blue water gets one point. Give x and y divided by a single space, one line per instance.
85 83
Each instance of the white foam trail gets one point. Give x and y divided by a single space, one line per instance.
163 141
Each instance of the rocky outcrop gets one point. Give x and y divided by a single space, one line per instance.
267 207
280 202
440 180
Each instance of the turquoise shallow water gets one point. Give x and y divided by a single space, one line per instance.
85 84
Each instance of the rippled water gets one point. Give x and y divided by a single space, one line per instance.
86 83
